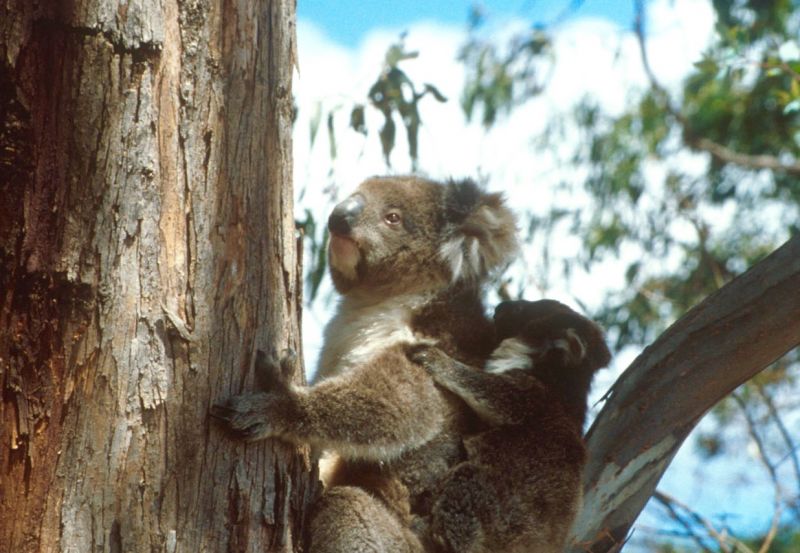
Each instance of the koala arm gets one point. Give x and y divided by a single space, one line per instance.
374 412
498 399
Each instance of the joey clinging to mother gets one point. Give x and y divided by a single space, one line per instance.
519 487
409 257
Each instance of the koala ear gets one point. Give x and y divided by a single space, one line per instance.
480 231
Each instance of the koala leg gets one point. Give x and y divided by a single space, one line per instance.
467 500
347 519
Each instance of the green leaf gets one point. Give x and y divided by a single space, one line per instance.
707 65
314 122
435 91
317 270
398 53
357 119
331 136
387 139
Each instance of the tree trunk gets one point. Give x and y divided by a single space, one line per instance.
147 248
718 345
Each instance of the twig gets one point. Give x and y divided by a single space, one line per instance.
771 467
787 438
717 151
773 529
762 448
724 540
784 432
671 504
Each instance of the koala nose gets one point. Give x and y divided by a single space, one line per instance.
344 216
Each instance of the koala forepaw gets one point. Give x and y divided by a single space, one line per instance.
272 373
427 356
245 417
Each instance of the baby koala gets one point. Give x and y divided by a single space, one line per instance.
520 487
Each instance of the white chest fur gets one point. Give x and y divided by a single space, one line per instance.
361 329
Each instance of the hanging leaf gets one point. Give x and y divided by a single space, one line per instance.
314 122
331 137
387 139
435 91
357 119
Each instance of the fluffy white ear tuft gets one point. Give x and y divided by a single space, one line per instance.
512 353
481 232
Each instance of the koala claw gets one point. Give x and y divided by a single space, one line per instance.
427 356
246 416
274 374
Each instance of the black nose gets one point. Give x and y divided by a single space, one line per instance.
344 216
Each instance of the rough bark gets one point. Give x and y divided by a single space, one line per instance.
147 247
721 343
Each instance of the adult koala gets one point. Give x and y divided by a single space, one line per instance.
409 257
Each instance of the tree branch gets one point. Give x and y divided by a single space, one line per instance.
718 151
719 344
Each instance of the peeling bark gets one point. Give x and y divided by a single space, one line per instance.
147 248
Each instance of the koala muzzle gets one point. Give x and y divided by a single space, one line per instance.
344 215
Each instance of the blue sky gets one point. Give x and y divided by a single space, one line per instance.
347 21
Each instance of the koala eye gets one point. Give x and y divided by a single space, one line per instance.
392 218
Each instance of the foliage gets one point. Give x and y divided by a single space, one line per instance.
687 193
712 224
786 541
394 95
498 80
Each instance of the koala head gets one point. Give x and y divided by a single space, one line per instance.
407 234
549 324
559 346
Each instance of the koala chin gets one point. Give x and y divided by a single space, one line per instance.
409 257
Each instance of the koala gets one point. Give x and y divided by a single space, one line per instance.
520 487
409 257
